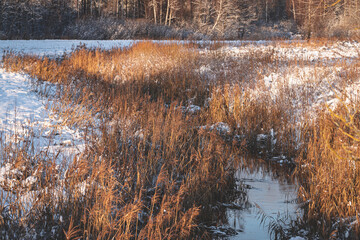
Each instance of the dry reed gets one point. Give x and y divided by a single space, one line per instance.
152 167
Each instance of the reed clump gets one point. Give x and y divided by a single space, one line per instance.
148 170
153 166
329 172
164 127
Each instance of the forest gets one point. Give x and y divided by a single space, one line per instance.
178 19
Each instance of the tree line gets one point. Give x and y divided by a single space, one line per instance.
46 18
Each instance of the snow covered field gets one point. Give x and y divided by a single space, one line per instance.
309 76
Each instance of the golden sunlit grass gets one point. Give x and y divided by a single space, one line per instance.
152 167
148 172
329 169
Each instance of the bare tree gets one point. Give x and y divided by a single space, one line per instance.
171 9
203 14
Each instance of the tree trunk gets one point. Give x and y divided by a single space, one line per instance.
161 11
117 8
126 9
266 10
167 12
218 15
294 10
154 7
309 20
170 16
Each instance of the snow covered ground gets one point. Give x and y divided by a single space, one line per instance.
338 50
313 75
23 113
24 117
57 47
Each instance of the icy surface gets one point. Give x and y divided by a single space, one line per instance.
58 47
268 195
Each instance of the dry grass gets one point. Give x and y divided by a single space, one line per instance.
329 169
152 166
148 171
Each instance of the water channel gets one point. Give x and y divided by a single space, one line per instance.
271 193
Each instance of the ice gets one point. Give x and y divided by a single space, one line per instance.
58 47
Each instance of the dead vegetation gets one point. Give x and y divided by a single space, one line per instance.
166 125
148 171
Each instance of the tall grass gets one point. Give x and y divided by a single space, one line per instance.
329 169
148 171
166 126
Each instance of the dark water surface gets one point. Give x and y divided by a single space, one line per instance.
270 194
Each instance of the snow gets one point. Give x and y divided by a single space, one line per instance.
4 171
312 74
23 113
31 180
297 238
57 47
221 128
338 50
24 117
193 109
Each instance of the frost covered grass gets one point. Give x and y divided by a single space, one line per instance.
166 126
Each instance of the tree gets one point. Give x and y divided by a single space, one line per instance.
171 9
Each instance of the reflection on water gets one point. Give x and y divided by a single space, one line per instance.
273 192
